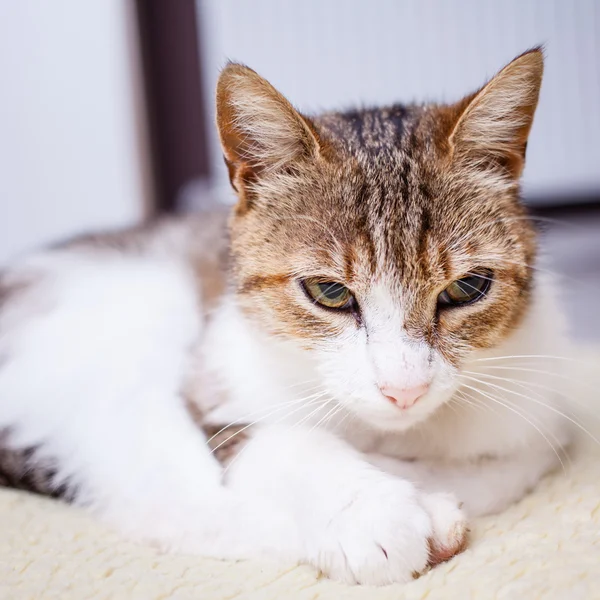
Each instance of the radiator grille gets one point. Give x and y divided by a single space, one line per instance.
326 54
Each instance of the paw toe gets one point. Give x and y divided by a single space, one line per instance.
450 531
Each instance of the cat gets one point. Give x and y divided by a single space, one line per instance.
338 373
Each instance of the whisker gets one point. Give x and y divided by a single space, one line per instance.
245 417
526 385
301 383
550 356
562 376
450 405
321 401
474 288
544 404
492 279
306 418
252 424
471 401
557 442
521 415
327 418
237 456
339 411
348 414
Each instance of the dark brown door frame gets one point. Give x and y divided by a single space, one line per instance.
175 97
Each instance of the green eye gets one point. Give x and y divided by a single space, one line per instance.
466 290
328 293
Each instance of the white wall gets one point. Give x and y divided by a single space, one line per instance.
71 134
329 54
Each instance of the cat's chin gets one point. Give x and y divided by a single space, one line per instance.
401 420
392 426
382 415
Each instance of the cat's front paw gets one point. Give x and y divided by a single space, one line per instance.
388 532
449 527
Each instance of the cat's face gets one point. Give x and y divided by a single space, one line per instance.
388 244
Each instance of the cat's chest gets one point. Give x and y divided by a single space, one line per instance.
447 435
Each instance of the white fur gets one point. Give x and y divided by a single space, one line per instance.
358 364
95 353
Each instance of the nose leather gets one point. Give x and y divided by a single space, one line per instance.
404 397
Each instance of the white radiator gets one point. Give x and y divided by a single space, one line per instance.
326 54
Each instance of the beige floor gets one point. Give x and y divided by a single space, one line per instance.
547 546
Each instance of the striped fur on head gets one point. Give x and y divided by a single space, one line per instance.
400 200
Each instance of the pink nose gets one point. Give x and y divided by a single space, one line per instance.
404 397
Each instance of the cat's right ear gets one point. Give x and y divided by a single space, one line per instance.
260 130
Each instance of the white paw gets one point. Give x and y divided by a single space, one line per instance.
449 527
388 532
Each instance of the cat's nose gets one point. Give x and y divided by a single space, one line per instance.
404 397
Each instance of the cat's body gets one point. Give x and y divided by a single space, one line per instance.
121 356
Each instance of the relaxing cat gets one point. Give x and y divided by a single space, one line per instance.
327 379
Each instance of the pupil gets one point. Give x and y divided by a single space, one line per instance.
332 291
468 288
470 285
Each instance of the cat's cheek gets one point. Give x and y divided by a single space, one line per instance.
445 375
347 369
445 381
482 325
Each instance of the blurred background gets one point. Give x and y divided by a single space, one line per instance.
106 111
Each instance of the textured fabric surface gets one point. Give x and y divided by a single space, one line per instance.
546 546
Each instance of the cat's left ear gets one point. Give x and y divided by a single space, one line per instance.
260 130
493 124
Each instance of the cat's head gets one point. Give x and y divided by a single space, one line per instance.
388 244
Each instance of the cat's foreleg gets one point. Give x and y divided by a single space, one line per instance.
93 352
484 486
352 521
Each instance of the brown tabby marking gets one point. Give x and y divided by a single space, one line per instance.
23 470
412 196
223 441
226 443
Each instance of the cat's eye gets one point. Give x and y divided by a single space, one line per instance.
466 290
329 294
